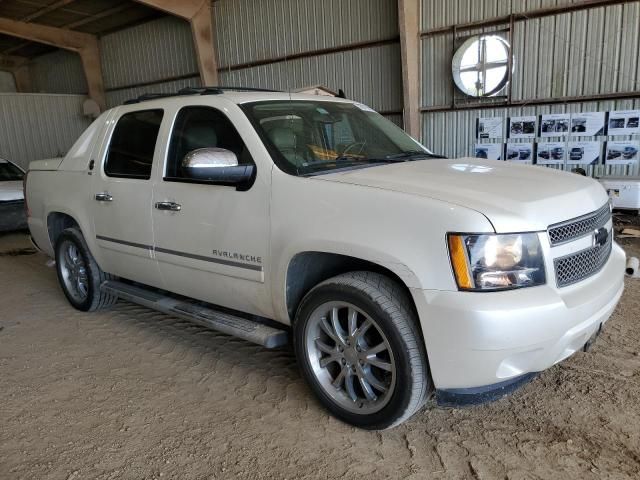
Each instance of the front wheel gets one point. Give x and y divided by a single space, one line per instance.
78 273
359 347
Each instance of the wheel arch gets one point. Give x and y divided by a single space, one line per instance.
57 222
307 269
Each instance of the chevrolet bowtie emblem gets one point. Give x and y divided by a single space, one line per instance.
600 237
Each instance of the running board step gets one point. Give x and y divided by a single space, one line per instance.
246 329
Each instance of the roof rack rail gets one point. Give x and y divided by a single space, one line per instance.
207 90
147 96
217 90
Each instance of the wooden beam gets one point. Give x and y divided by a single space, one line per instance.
409 24
57 37
84 44
98 16
199 15
186 9
47 9
79 23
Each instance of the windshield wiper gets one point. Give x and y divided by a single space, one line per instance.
413 154
343 161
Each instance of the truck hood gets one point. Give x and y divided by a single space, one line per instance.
11 191
515 198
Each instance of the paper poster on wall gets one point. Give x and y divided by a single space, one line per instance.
555 125
490 127
583 153
587 124
489 151
519 152
622 153
551 153
624 122
522 127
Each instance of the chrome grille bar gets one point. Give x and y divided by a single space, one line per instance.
575 228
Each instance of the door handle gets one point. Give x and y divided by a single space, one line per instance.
103 197
170 206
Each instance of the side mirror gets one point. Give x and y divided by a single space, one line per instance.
218 166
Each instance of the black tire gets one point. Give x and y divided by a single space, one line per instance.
95 298
389 305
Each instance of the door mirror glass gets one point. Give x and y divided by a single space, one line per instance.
216 165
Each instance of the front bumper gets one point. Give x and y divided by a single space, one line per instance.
12 216
477 340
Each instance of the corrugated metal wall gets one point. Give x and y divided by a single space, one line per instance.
586 52
147 53
247 30
442 13
34 126
7 84
370 75
58 72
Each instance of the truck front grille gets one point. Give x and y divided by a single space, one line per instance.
569 230
580 265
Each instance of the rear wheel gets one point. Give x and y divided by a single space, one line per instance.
78 273
359 348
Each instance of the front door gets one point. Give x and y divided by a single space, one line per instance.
122 194
211 241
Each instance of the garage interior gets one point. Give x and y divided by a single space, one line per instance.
133 393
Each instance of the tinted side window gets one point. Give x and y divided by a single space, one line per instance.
132 144
203 127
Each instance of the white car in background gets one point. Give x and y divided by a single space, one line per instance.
12 214
399 274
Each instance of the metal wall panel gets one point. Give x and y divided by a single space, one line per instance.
397 119
442 13
370 75
37 126
7 83
585 52
247 30
149 52
58 72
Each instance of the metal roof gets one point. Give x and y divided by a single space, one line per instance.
97 17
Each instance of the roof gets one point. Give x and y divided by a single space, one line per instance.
96 17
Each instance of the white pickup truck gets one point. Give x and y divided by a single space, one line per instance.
399 275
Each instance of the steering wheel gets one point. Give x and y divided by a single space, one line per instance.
353 145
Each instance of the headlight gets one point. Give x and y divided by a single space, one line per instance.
496 262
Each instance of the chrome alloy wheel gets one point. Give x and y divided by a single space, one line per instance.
350 357
74 271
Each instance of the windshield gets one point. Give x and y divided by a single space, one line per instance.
9 172
312 137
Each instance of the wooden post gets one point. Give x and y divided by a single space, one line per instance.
19 68
199 15
203 34
22 77
82 43
409 24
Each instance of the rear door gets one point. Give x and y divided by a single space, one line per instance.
121 198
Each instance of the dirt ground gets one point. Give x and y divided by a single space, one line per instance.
130 393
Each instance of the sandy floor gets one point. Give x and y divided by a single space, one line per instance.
130 393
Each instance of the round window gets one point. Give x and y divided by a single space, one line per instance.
480 66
